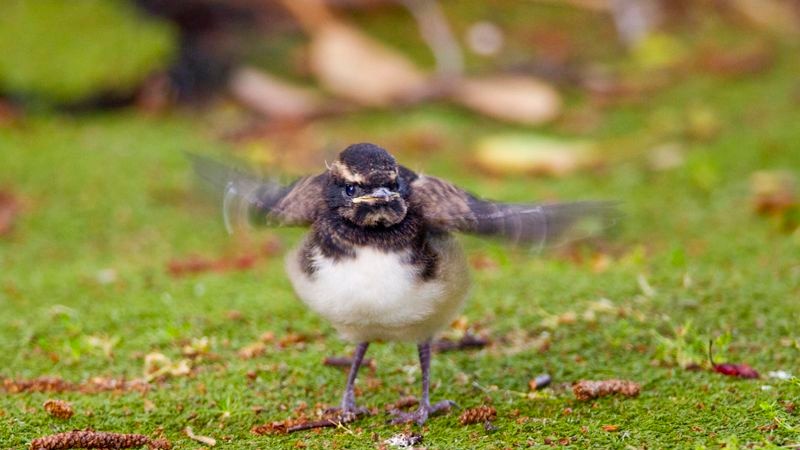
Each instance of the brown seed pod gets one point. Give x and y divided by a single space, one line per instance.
58 408
96 439
588 390
478 414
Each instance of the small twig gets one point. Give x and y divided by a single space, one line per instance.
344 361
437 34
324 423
466 342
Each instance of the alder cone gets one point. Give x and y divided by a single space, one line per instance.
478 414
96 439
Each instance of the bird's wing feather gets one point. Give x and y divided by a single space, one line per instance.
249 199
449 208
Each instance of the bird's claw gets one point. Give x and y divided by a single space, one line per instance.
420 416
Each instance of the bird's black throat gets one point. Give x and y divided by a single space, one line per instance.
337 238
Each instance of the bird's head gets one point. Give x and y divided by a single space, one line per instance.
365 187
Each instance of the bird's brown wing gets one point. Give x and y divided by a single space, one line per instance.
249 199
449 208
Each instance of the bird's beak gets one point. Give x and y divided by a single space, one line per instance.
379 195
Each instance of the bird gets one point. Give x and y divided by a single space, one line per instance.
381 261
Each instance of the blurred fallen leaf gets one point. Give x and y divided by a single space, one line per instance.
702 123
252 350
271 96
514 154
730 369
157 365
519 99
666 156
774 191
10 115
350 64
148 405
9 209
103 343
483 262
197 264
592 5
292 339
197 347
748 59
775 15
106 276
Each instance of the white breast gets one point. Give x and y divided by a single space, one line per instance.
378 295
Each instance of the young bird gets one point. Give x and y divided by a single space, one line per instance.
381 262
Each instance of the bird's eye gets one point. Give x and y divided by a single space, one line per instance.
350 190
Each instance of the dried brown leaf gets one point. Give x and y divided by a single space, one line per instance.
9 210
252 350
352 65
273 97
773 192
518 99
776 15
750 59
510 154
58 408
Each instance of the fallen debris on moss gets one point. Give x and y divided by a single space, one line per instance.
588 389
58 384
97 439
58 408
479 414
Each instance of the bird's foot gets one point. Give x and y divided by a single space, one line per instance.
347 412
420 416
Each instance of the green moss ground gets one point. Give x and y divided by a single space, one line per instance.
114 191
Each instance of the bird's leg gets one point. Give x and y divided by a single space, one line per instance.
425 408
348 409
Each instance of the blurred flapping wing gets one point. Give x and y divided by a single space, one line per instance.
251 200
449 208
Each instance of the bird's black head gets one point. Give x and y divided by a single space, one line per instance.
365 188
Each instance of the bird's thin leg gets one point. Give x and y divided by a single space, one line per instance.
348 409
349 399
424 350
420 416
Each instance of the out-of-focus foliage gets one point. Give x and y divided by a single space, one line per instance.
63 51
